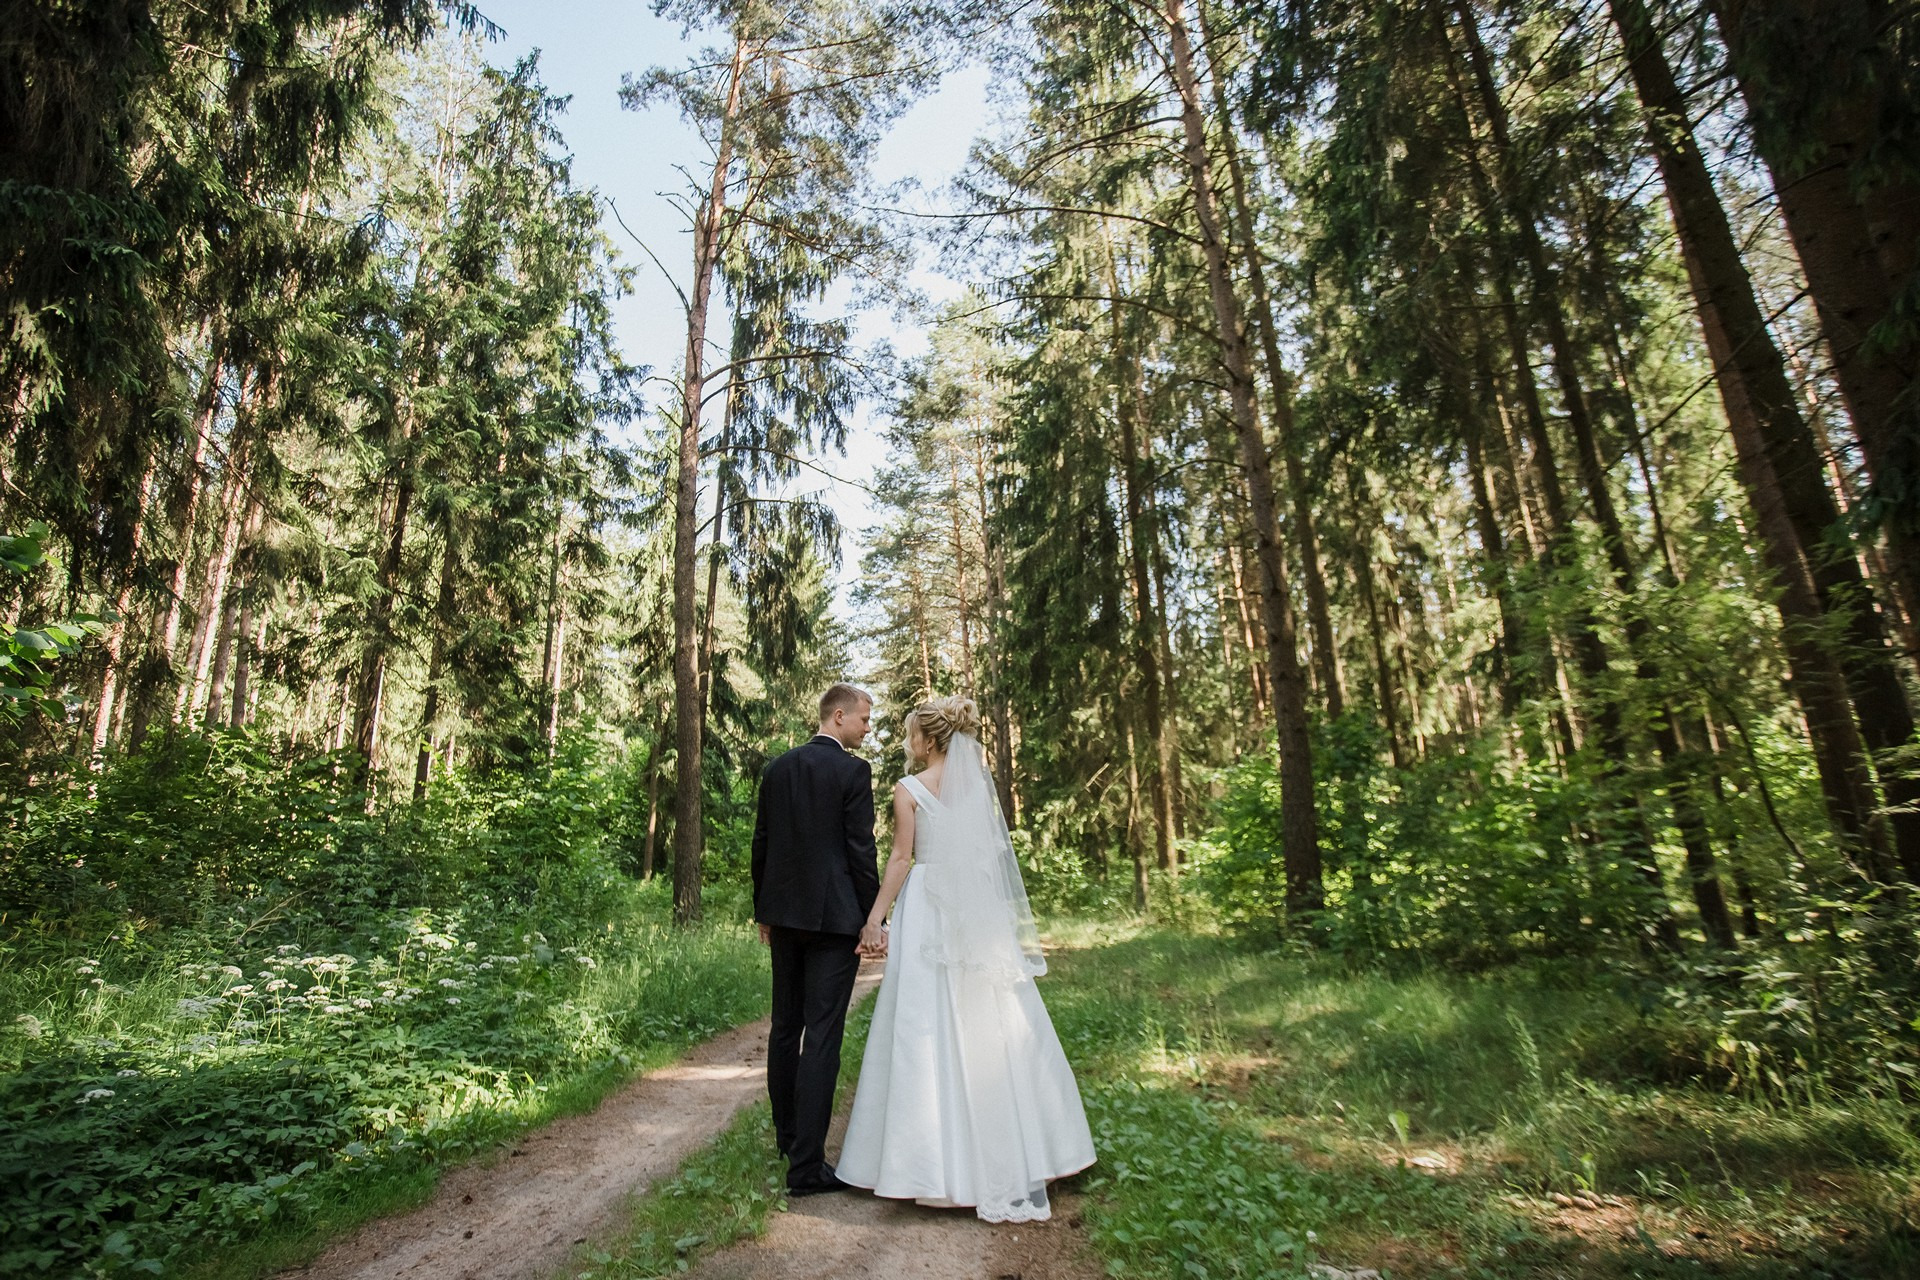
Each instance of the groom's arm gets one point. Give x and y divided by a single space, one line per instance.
862 858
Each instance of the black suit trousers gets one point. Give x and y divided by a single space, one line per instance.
812 983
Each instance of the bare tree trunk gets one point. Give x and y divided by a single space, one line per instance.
1247 639
689 722
1299 819
653 797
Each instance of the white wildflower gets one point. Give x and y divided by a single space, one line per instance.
453 999
127 1074
231 971
449 982
30 1027
363 1003
94 1095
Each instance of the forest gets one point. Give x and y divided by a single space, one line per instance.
1426 496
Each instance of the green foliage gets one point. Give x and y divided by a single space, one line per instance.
1256 1110
256 1002
28 655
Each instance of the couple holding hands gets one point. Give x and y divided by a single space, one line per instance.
965 1098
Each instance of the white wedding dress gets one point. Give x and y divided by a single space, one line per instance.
965 1097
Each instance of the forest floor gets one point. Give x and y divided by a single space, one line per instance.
1255 1113
559 1192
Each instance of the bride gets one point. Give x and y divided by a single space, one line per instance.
965 1097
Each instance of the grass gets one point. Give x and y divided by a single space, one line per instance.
223 1114
719 1196
1256 1111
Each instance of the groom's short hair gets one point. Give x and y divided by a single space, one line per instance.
842 695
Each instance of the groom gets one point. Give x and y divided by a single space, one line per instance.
814 880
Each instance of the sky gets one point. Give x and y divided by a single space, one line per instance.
585 47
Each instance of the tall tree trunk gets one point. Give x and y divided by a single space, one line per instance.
1146 654
245 652
1326 652
183 515
1136 847
369 686
1383 670
444 616
1252 644
689 723
1818 103
1817 681
115 641
651 843
236 497
709 618
1722 286
553 653
999 704
222 654
1299 820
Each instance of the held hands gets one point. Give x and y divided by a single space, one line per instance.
873 941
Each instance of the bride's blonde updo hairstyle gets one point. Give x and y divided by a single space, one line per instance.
938 719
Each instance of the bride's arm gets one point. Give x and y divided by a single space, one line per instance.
899 862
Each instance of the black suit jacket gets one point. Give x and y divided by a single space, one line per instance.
814 863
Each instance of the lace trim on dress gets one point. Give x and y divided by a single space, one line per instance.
1031 1208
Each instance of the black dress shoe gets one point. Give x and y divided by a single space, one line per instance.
819 1186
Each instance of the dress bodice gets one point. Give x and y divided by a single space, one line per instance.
927 821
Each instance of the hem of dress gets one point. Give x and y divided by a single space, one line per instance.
941 1202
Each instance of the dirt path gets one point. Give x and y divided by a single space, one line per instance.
517 1217
855 1235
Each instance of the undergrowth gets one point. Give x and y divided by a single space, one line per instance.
316 1010
1256 1111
